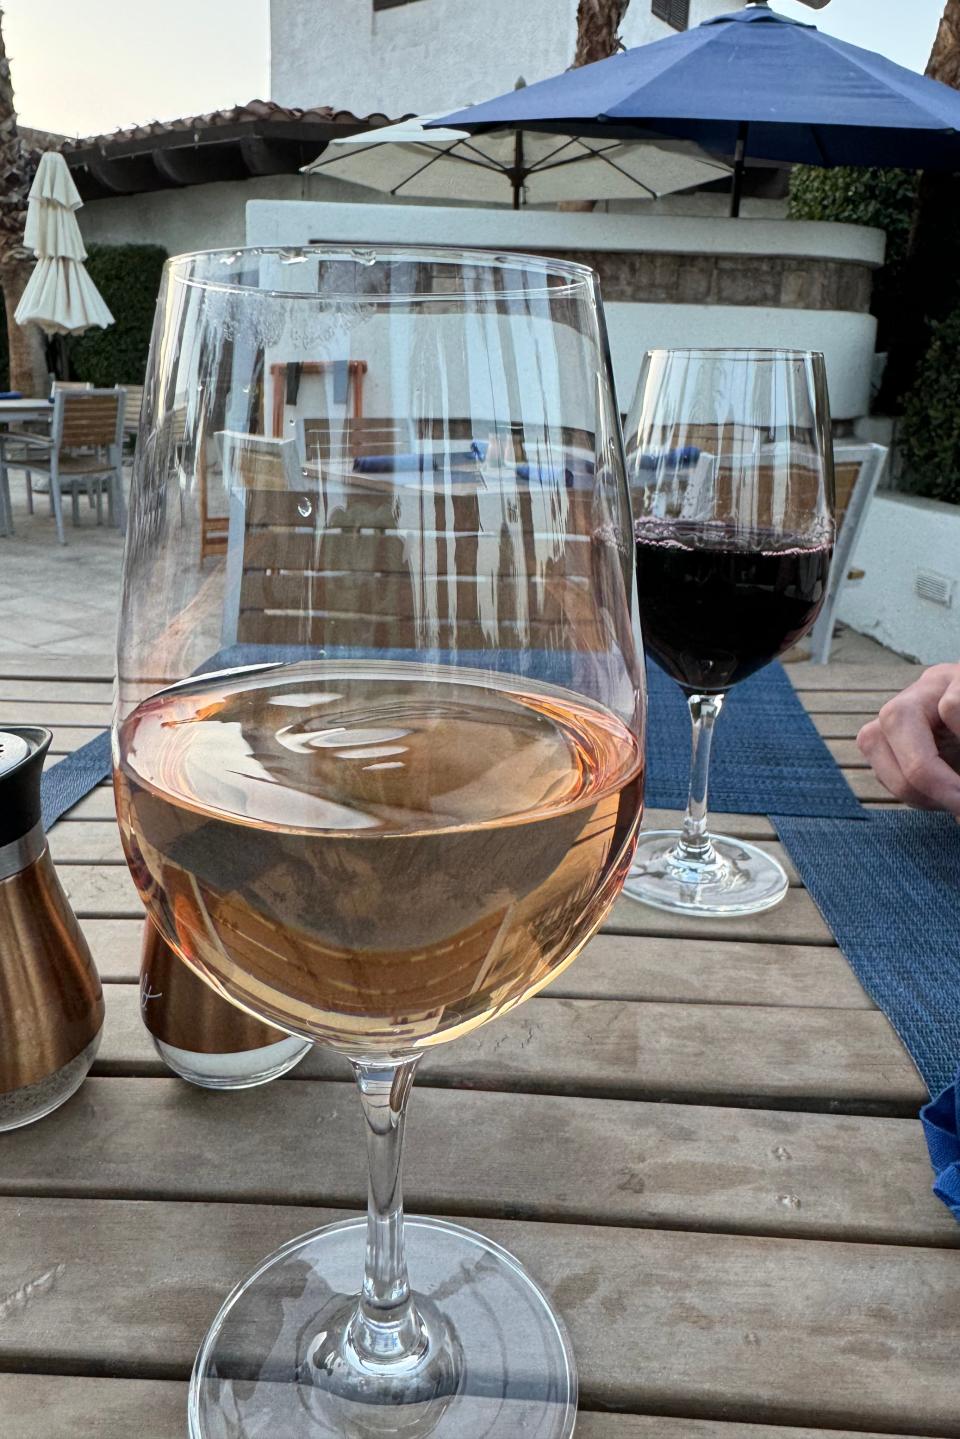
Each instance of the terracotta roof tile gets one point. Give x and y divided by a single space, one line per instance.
256 111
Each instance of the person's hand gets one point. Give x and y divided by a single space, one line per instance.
914 743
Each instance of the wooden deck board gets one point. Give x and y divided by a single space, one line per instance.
43 1406
662 1321
625 967
763 1172
844 1058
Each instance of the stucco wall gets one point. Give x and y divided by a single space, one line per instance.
902 535
203 217
430 54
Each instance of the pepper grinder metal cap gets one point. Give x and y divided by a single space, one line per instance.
51 1003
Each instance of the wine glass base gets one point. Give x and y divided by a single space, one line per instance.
507 1364
738 879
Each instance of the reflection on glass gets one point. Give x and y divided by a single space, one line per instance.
379 752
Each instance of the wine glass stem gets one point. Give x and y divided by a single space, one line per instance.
694 842
386 1328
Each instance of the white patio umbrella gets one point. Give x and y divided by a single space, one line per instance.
522 166
60 296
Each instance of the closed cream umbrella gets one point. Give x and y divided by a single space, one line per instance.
60 296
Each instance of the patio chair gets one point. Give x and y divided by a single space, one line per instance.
291 532
859 470
82 453
287 376
131 410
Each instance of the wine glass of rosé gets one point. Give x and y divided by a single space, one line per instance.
379 753
730 465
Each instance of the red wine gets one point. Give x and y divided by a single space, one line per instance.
717 604
377 855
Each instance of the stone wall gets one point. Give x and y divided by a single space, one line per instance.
782 281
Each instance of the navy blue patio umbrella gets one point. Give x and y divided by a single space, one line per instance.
750 84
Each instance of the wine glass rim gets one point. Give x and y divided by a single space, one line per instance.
573 274
736 352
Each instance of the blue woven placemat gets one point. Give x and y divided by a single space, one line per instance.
889 888
767 755
65 783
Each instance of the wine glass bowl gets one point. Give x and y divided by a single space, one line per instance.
730 463
379 751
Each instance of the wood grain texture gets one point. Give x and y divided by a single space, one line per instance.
770 1057
67 738
661 1321
847 755
50 713
842 726
865 785
740 826
41 1406
98 665
625 967
86 842
57 691
102 891
841 702
573 1159
98 804
851 678
796 921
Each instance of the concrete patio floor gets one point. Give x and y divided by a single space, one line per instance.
63 599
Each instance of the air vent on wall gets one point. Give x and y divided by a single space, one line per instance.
936 588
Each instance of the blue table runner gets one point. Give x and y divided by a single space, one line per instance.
889 888
767 754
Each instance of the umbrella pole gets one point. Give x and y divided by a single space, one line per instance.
739 169
516 178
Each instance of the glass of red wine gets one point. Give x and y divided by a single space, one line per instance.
730 462
379 757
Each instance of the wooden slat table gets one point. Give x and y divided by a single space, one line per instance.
702 1140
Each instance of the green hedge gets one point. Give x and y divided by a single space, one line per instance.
128 278
885 199
930 431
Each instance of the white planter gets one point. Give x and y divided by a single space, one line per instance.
904 539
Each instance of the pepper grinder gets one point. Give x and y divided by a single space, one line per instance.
51 1003
200 1035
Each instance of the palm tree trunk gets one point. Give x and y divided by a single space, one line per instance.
28 370
944 62
931 283
28 360
598 25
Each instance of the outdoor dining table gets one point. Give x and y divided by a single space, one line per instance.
702 1140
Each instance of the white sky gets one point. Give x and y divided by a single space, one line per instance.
84 67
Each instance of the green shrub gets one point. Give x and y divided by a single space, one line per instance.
930 431
128 278
885 199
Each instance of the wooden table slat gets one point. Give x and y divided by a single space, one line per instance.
700 1324
624 967
43 1406
847 1059
580 1160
